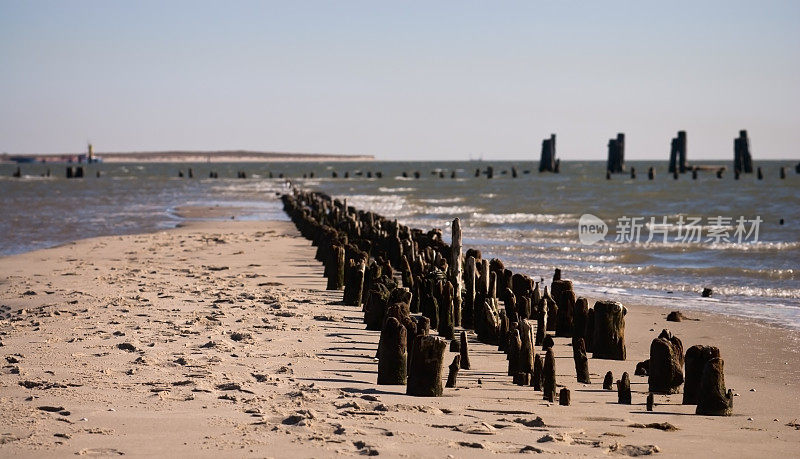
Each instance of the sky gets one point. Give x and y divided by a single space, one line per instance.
405 80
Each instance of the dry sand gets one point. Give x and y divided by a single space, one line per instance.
218 339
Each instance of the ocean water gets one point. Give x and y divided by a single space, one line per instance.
531 222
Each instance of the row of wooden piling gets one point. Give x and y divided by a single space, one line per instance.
408 282
719 172
489 171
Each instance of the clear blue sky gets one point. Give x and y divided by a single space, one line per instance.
400 80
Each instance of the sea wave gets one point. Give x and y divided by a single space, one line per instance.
498 219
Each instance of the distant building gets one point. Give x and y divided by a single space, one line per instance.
89 157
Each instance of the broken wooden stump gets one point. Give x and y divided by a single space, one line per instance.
490 322
696 358
541 327
642 368
713 399
336 268
609 330
354 282
425 372
451 377
608 381
624 389
464 351
527 348
552 310
392 353
514 348
581 361
564 397
446 326
564 296
549 376
537 377
468 301
375 307
665 374
547 342
521 378
580 317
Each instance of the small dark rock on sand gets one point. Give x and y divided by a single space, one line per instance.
127 347
665 426
51 409
675 316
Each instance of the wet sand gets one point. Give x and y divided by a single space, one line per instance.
218 339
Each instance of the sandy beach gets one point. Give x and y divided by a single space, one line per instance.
219 339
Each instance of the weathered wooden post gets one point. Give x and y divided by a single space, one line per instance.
589 335
609 330
537 377
665 372
502 344
696 358
547 342
445 326
608 381
392 353
451 377
456 271
580 315
549 376
527 349
336 271
651 173
514 350
552 310
355 282
581 361
425 372
564 296
713 399
564 397
650 401
464 351
468 302
624 389
490 319
541 326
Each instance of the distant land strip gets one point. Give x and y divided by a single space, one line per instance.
179 156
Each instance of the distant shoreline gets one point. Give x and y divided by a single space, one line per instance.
177 156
